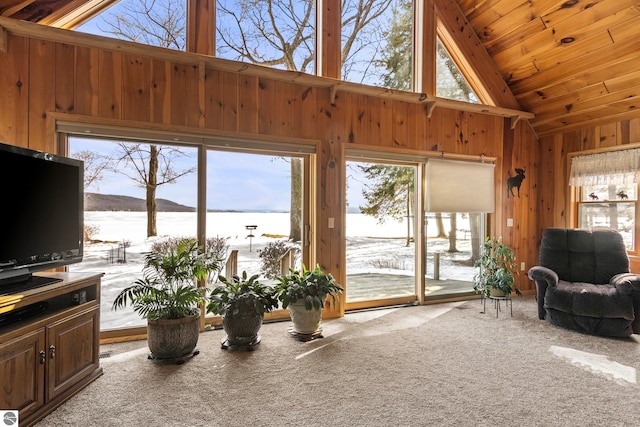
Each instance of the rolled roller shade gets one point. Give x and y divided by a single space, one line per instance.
460 186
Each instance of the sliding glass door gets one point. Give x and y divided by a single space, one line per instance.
380 233
390 256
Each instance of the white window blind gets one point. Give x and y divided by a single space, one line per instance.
459 186
612 167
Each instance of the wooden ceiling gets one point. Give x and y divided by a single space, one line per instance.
573 63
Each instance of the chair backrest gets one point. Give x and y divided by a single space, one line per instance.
579 255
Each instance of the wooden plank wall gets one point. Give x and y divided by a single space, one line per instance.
553 171
40 77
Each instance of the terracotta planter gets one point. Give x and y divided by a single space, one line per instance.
305 321
242 331
173 338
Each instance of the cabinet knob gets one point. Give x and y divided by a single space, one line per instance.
43 357
52 352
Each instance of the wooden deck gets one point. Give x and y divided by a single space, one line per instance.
372 286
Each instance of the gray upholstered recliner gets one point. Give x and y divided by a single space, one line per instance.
583 282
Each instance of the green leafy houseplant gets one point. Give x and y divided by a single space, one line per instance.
497 269
241 296
310 286
169 286
304 294
242 302
168 296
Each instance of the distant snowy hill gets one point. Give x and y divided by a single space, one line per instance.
112 202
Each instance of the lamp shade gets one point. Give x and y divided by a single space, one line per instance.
459 186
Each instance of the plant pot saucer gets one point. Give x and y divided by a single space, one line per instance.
250 346
305 337
174 360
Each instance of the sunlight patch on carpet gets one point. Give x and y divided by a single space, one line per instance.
357 322
596 363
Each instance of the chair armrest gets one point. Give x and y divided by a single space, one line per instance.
544 277
543 274
626 283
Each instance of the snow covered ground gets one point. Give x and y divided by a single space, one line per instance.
371 248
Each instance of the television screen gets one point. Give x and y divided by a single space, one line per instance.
43 210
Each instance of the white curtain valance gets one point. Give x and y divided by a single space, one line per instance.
458 186
612 167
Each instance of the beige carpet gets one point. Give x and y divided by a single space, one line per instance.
436 365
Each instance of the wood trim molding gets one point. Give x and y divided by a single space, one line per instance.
102 127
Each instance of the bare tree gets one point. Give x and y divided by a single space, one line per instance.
94 165
153 166
281 33
153 22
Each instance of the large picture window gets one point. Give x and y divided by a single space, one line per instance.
143 193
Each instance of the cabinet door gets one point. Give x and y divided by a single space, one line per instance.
73 350
22 373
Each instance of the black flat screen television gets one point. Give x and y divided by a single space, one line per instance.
42 199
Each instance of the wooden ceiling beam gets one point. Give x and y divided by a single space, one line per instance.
76 13
37 11
10 7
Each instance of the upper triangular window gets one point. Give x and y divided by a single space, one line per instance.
450 82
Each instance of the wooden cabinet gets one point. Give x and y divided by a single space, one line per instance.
50 354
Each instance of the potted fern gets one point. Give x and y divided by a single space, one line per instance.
496 270
168 296
242 302
304 293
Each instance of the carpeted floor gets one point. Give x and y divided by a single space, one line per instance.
437 365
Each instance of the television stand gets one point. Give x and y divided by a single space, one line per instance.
49 343
33 282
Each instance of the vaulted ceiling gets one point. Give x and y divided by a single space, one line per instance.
573 63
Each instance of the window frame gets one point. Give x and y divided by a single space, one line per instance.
582 200
574 199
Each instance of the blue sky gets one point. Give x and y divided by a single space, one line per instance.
235 181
